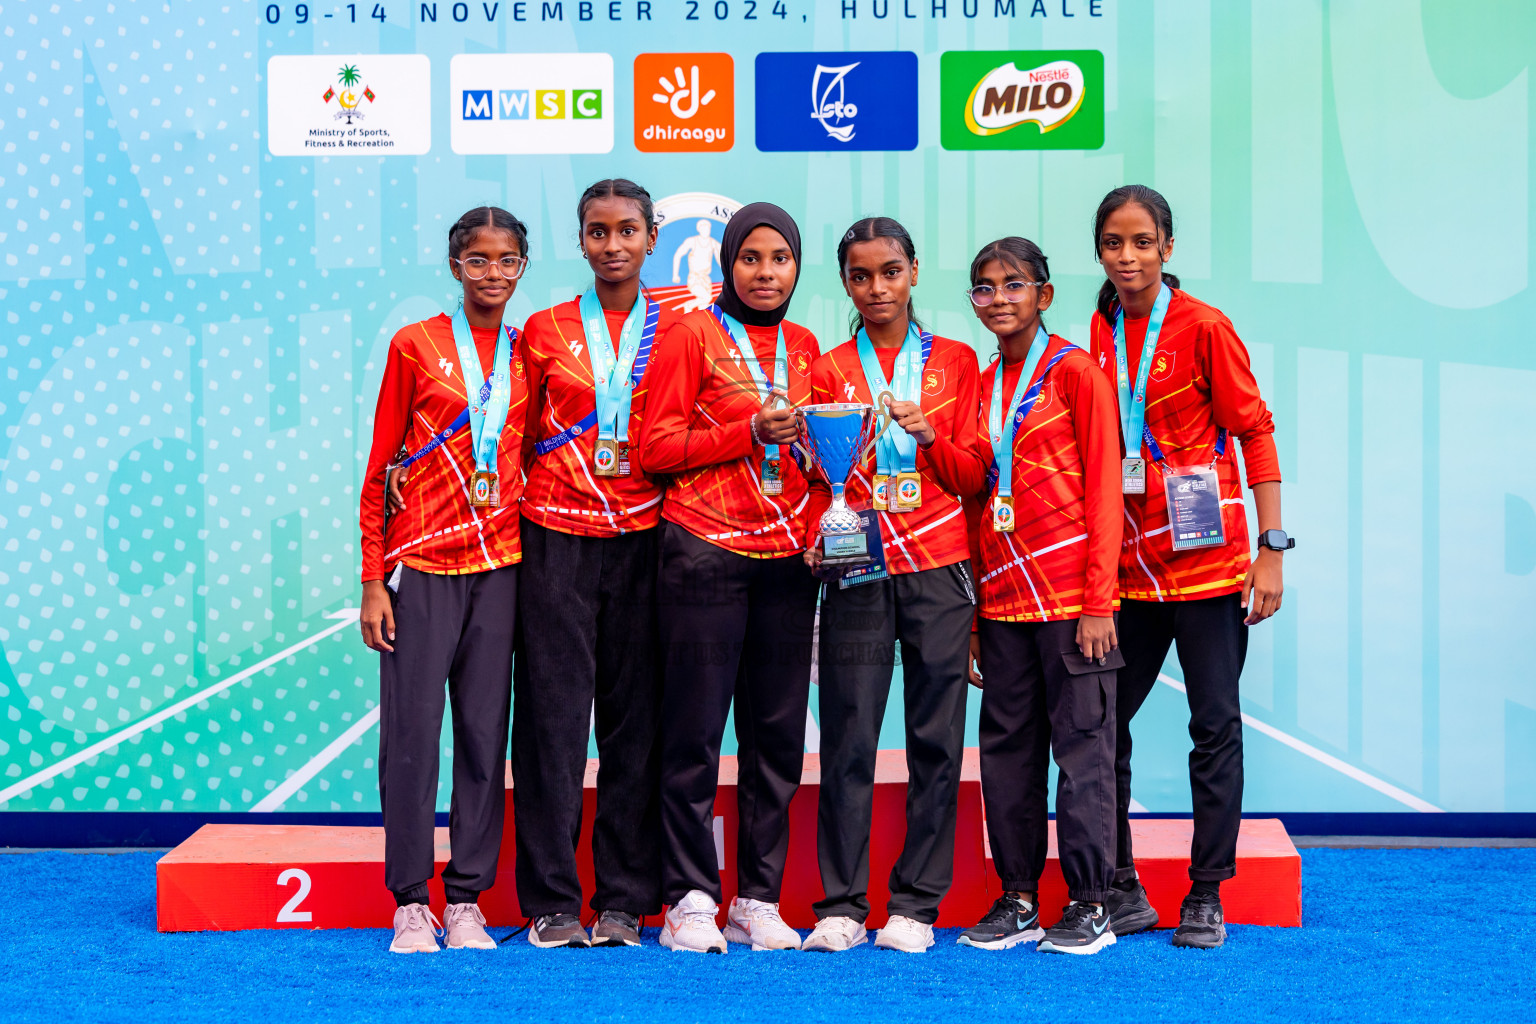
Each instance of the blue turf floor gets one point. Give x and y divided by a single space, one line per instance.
1389 936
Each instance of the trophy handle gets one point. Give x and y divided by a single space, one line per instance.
885 424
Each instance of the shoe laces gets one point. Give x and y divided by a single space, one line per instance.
905 925
625 918
1075 913
697 916
1005 907
767 913
845 927
465 910
419 915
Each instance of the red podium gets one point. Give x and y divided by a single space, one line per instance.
236 877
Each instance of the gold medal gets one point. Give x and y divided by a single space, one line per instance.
484 489
605 457
882 493
772 478
908 494
1002 514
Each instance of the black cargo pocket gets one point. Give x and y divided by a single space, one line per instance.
1088 689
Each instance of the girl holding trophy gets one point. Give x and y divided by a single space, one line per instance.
736 603
440 578
916 589
1045 546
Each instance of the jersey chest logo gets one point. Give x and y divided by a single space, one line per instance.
849 391
575 347
446 366
1044 400
933 381
802 363
1162 366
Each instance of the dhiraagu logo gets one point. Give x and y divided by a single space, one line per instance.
1022 99
531 103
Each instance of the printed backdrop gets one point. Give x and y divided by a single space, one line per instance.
215 214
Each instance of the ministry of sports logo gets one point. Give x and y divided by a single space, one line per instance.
1022 99
685 273
369 104
836 101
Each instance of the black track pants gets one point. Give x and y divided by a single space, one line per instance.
930 614
1212 645
457 628
731 626
588 634
1043 697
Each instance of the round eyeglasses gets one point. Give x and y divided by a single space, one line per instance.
478 268
1013 291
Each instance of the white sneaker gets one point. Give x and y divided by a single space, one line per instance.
835 935
416 930
758 924
690 925
905 934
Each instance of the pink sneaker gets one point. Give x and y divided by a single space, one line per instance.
416 930
466 927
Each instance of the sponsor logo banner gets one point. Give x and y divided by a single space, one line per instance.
836 101
1021 99
363 105
531 103
685 102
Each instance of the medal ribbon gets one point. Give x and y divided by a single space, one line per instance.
1133 406
738 335
463 417
492 410
636 365
896 450
1024 397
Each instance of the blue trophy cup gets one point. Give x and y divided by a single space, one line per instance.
837 437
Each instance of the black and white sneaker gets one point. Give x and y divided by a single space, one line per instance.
1130 912
553 930
1200 923
1083 928
1009 922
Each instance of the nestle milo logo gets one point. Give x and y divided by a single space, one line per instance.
1022 99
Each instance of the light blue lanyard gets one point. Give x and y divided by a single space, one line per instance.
1002 430
1133 408
611 373
493 412
749 356
896 450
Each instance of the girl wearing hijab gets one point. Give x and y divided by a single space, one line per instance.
591 519
918 592
736 603
440 579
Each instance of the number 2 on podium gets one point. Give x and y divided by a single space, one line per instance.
291 911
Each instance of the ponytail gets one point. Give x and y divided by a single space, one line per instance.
867 230
1153 202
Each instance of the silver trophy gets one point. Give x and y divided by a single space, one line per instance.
837 438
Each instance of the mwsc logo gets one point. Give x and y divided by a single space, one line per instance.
1026 99
531 103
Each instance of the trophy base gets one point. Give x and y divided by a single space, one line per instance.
845 549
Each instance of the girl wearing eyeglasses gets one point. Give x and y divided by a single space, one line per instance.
591 525
1046 543
917 591
440 578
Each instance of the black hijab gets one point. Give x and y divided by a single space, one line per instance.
748 218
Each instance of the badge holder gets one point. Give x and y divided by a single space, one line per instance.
1194 507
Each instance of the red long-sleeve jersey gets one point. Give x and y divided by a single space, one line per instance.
698 428
421 394
1060 560
1200 381
563 492
934 534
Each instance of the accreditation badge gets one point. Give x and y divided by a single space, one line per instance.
908 495
605 457
1133 476
771 480
1002 514
882 493
1194 507
484 489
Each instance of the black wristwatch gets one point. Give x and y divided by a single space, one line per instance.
1276 540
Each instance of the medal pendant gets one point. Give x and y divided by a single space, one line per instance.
908 495
882 493
623 451
1002 514
484 489
1133 476
605 458
771 479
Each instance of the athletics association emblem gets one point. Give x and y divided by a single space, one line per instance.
349 98
685 274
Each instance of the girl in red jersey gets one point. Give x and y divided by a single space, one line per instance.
918 592
736 604
1184 391
587 591
440 578
1046 545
